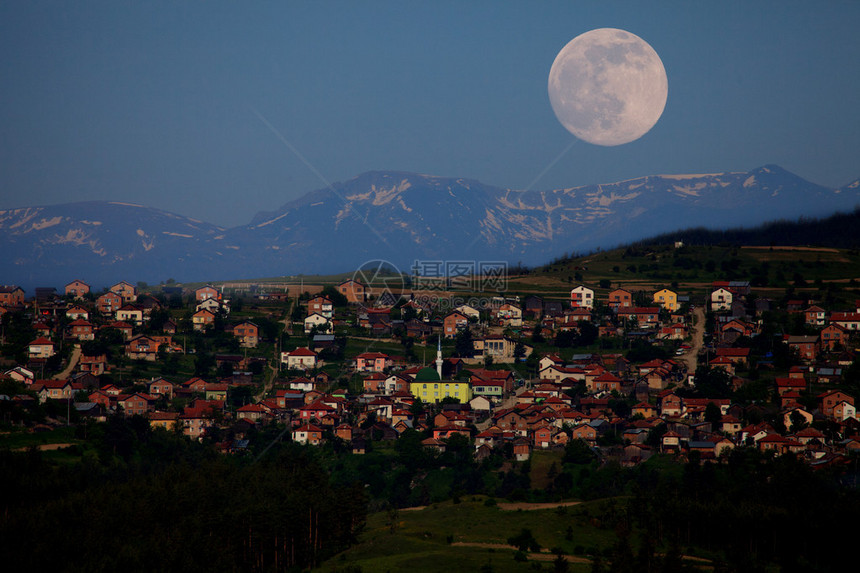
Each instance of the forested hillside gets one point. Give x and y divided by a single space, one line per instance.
145 500
839 231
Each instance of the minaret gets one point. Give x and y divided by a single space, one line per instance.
439 357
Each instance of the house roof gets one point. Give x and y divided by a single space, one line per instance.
251 408
371 355
308 428
302 351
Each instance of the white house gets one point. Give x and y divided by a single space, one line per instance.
510 315
468 311
721 299
582 297
213 305
302 384
300 359
844 410
480 404
317 320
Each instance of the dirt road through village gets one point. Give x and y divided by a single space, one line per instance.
697 331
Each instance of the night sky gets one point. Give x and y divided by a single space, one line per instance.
218 110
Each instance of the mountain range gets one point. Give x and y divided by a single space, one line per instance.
397 217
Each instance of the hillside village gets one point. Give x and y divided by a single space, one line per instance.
630 373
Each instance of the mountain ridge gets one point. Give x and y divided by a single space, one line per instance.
396 216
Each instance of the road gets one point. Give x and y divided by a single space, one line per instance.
269 380
697 331
73 361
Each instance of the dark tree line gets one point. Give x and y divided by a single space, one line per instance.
839 231
152 501
756 510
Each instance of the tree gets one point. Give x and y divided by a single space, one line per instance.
417 407
578 452
560 564
537 337
334 296
524 541
565 339
519 351
587 334
713 382
621 408
464 346
713 414
597 564
298 314
203 363
798 422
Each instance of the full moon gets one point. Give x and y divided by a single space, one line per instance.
608 87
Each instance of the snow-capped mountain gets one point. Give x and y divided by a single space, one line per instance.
398 217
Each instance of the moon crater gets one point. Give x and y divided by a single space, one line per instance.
608 87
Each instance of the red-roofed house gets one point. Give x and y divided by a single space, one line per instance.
126 290
161 387
815 316
248 334
135 404
109 303
130 313
606 382
142 347
829 400
354 291
453 323
77 289
644 409
736 355
11 295
300 359
41 348
203 319
95 365
315 411
206 292
308 434
644 316
847 320
833 335
251 412
321 305
372 362
785 385
620 299
81 329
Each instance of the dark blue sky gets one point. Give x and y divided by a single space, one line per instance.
157 103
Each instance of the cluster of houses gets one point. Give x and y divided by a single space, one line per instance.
122 309
586 396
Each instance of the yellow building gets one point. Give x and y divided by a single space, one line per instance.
166 420
667 299
430 388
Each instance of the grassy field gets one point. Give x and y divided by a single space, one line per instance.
21 440
466 536
541 464
58 445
